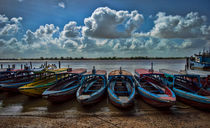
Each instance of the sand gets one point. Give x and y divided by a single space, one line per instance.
193 119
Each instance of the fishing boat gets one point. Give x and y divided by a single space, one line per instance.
188 88
65 88
200 61
121 88
93 87
152 89
35 89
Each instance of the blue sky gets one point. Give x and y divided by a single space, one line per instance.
94 28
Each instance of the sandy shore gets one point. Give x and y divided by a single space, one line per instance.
192 119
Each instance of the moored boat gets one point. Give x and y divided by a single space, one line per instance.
65 88
121 88
188 88
152 89
35 89
93 87
18 79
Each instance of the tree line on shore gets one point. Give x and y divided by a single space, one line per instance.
99 58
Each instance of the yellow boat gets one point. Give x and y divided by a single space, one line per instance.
36 88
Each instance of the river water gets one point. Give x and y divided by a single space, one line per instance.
18 104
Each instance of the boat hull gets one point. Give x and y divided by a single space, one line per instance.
194 100
92 99
117 102
155 102
34 91
12 88
62 96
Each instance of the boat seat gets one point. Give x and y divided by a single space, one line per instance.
67 84
123 98
120 91
91 90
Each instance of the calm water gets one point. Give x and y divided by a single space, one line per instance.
18 104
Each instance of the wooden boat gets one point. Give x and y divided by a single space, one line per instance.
35 89
188 88
12 83
152 89
93 87
66 87
121 88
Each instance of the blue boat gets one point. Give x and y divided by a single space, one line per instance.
151 88
18 79
188 88
200 61
66 87
93 87
121 88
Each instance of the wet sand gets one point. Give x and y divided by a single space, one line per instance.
194 119
22 111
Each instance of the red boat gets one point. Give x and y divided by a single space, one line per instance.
152 90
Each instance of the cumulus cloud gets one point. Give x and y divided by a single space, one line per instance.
10 48
9 27
43 34
71 30
61 4
107 23
191 26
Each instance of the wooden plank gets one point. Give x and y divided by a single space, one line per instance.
117 72
98 72
146 71
168 71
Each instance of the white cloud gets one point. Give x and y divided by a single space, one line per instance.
190 26
107 23
71 30
61 4
9 27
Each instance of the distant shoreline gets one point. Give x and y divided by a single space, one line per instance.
100 58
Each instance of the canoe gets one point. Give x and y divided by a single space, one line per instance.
121 88
152 89
188 88
66 88
35 89
93 87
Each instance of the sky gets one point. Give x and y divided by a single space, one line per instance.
103 28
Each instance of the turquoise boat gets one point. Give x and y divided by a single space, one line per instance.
93 87
187 88
121 88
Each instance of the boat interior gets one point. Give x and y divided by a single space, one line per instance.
151 84
190 84
66 82
121 86
92 84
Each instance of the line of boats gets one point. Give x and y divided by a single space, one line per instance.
159 89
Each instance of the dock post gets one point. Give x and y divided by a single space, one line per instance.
30 64
59 64
46 64
1 66
13 66
187 63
